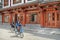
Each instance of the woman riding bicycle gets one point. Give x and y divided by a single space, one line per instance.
19 28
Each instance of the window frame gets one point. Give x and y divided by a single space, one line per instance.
26 1
33 14
22 1
53 17
6 6
58 15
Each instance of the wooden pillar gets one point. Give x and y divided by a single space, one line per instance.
24 19
39 18
50 19
10 18
42 19
55 19
15 18
2 18
46 20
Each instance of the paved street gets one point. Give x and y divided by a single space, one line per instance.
34 32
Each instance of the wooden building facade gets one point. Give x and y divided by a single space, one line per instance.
46 14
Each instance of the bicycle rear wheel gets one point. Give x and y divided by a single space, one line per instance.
21 35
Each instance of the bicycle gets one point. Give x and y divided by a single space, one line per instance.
19 33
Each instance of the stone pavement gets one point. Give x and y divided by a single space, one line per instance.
37 28
31 32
